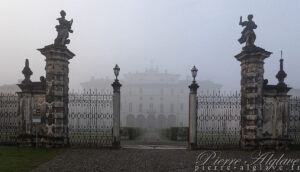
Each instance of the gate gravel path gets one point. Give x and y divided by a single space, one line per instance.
131 160
135 160
153 138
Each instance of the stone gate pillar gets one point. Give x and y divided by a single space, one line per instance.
252 77
57 85
43 106
193 111
57 88
264 108
116 109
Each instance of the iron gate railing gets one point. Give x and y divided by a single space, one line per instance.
218 120
8 118
294 120
90 119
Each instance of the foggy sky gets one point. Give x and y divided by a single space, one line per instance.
174 34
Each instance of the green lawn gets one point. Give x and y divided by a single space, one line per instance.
14 158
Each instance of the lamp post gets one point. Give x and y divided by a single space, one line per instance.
116 85
116 71
193 110
194 73
116 108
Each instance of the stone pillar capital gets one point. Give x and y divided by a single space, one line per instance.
51 51
116 86
253 55
194 87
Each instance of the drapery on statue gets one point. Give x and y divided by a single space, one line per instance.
63 30
248 34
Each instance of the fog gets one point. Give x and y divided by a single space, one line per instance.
174 35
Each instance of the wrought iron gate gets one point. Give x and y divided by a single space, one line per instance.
218 120
90 119
8 118
294 121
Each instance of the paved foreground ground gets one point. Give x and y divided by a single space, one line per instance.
144 160
122 160
154 154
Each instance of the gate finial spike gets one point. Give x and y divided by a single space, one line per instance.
26 72
281 75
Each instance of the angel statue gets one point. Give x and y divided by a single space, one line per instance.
248 34
63 30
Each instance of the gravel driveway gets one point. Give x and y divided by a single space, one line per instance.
137 160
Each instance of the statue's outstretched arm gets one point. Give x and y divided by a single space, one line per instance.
244 23
70 23
241 18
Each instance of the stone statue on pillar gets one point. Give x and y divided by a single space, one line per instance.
264 107
248 35
58 57
63 30
43 106
252 86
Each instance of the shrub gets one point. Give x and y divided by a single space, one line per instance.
130 133
175 133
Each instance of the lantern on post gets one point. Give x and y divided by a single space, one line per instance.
194 73
116 71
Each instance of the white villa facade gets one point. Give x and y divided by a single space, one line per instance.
152 99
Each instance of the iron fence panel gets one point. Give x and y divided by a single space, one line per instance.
218 120
8 118
90 119
294 120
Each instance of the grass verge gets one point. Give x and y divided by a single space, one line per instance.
21 159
